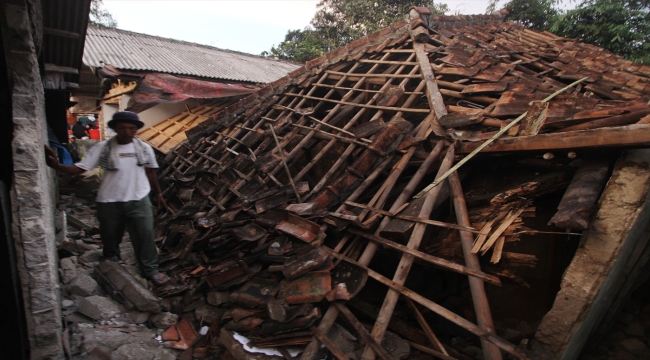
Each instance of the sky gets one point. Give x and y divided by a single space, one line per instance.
249 26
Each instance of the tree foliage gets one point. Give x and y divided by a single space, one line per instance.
100 16
534 14
298 45
338 22
620 26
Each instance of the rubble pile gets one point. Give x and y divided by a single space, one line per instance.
282 205
363 164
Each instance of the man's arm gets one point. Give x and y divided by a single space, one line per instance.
155 187
53 161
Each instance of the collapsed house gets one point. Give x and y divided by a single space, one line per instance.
446 177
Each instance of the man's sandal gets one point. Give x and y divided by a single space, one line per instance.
159 279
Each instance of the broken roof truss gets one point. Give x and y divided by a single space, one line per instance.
313 166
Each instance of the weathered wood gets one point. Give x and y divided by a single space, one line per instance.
622 136
477 288
581 197
425 326
399 228
328 344
406 261
412 218
432 352
284 163
619 120
436 103
440 310
400 327
446 264
363 333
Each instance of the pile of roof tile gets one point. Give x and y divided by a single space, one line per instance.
283 199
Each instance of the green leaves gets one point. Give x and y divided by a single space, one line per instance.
620 26
338 22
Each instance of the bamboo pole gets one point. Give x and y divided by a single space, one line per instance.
284 162
489 141
406 261
425 326
477 287
440 310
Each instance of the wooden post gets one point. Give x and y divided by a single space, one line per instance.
404 266
477 287
580 198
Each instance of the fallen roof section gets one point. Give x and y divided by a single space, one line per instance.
128 50
281 193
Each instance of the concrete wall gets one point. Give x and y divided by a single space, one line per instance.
604 260
32 191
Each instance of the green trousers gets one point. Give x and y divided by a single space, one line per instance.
137 218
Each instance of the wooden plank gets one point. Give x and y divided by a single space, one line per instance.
485 87
360 105
406 260
619 120
445 264
477 287
363 333
440 310
621 136
425 326
580 198
436 102
328 344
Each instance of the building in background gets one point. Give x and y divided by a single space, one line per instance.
159 78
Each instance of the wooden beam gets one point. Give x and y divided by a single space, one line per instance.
406 261
621 136
476 286
363 333
61 33
445 264
61 69
328 344
440 310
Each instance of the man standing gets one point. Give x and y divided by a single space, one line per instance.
122 200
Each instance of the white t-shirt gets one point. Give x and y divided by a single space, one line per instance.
129 182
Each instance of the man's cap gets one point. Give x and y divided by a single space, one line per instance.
125 116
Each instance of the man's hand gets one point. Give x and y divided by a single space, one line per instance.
50 157
160 201
53 161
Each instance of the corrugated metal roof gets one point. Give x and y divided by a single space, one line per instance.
133 51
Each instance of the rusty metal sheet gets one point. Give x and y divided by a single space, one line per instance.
309 288
511 103
303 229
